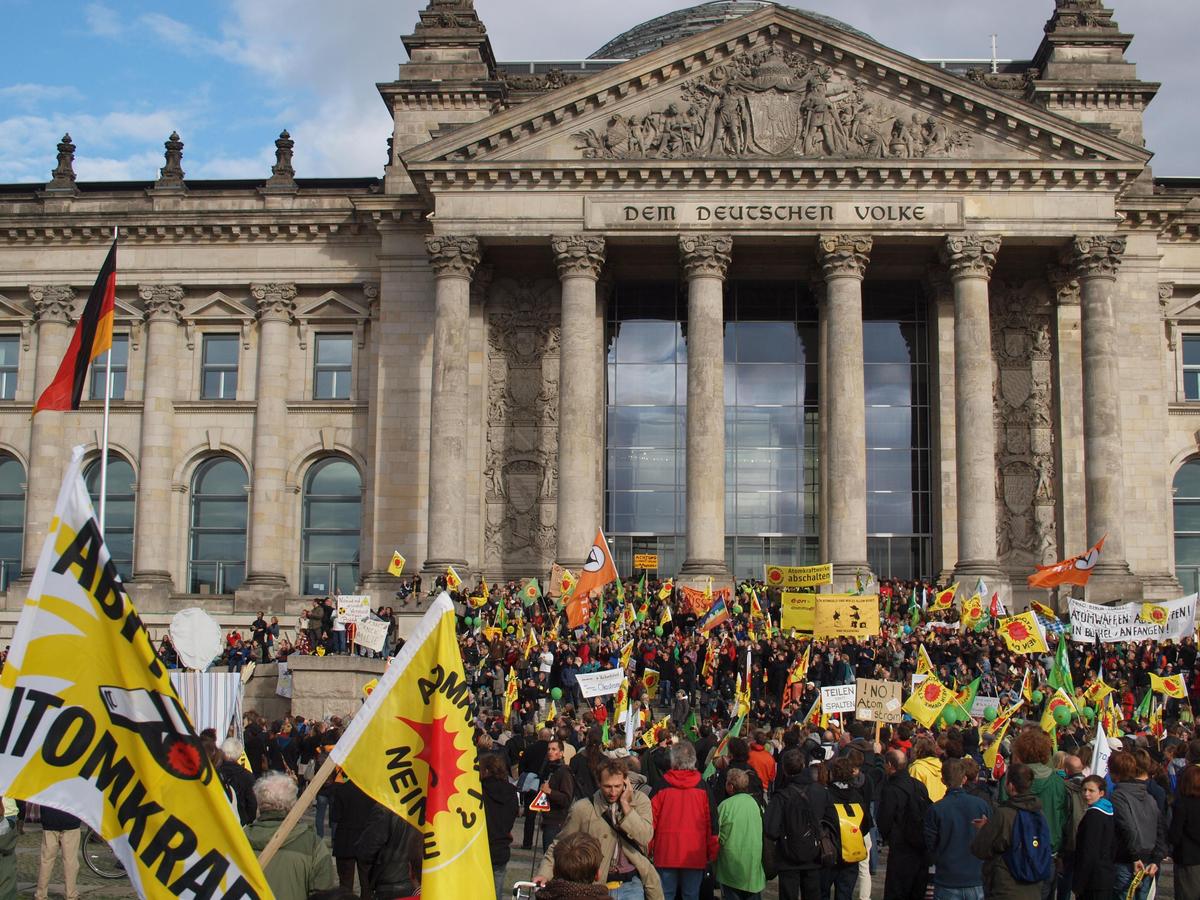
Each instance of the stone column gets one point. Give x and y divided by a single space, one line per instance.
52 312
705 260
1095 260
268 518
843 259
156 456
969 259
453 260
1067 372
579 259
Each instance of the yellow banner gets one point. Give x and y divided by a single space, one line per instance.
797 611
789 578
90 724
846 615
1023 633
410 748
646 561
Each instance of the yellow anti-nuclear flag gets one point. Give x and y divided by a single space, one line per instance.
1023 633
927 701
396 566
1172 686
410 748
90 724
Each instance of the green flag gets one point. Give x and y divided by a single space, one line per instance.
691 728
641 588
1060 672
1142 713
722 748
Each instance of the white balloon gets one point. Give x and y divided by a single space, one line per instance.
197 638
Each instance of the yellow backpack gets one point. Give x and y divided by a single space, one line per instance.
850 819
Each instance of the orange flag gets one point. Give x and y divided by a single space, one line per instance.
598 571
1076 570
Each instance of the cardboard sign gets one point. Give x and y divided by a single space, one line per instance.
838 698
371 633
982 705
846 615
599 684
645 561
353 607
878 701
797 611
789 578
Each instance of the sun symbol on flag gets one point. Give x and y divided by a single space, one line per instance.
933 692
1158 614
774 576
1017 631
442 758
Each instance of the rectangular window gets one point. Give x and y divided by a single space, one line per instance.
10 345
120 368
331 368
1191 367
219 367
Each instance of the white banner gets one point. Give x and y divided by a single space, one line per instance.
598 684
838 698
371 633
1120 623
283 680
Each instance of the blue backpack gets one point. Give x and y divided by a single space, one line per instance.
1030 858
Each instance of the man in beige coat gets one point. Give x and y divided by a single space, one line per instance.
621 819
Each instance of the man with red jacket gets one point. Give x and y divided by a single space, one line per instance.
685 831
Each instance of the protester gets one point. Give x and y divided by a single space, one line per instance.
1184 834
350 814
1093 878
238 779
903 803
795 821
684 834
1140 832
60 834
738 868
577 857
500 804
1014 837
559 789
303 863
949 831
854 822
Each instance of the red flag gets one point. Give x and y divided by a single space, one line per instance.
93 336
1070 571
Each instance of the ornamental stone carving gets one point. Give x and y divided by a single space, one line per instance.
705 254
62 179
774 103
1066 286
283 174
452 257
578 254
275 300
970 255
844 255
1095 255
1166 290
170 176
164 302
52 302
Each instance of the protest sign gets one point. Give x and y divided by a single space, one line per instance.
1123 623
599 684
846 615
797 611
371 633
878 701
838 698
982 704
789 578
353 607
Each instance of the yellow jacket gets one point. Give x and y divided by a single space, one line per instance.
928 771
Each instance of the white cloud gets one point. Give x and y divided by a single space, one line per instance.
31 95
102 21
183 37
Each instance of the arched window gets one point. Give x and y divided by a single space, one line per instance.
12 518
1186 489
118 514
332 521
217 544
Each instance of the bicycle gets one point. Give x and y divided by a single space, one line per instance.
98 856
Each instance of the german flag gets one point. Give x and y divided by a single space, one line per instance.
93 336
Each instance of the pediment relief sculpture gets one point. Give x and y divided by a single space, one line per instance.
775 103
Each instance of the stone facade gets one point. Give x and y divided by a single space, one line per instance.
473 277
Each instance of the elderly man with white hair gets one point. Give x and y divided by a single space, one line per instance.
303 864
238 779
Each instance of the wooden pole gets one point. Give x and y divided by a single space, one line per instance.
297 811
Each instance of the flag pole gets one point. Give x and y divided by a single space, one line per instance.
104 426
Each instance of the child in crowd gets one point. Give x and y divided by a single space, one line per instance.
577 859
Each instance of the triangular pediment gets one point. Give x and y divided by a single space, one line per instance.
126 311
773 88
217 305
333 306
13 309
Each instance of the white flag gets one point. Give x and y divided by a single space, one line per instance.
1100 752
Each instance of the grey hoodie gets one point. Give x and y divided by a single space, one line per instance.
1140 829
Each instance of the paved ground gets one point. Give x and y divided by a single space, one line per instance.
518 869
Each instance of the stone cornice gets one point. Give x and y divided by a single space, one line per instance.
54 230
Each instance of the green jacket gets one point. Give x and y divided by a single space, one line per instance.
990 844
302 865
1050 787
739 861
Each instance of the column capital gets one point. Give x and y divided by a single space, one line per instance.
1094 255
1066 286
970 255
52 302
275 300
705 254
844 255
578 255
164 302
452 256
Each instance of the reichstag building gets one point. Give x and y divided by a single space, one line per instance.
744 286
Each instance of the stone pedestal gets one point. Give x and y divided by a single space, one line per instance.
705 260
330 685
454 260
579 260
843 259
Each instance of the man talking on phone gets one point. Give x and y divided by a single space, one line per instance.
621 819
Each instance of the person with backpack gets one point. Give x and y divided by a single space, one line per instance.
854 821
1014 842
800 831
1093 876
1033 748
902 804
958 875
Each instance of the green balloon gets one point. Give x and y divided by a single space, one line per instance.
1062 715
1038 697
658 630
737 609
1089 714
989 714
950 715
467 621
556 693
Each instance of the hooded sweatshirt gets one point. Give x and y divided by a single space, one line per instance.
1140 831
928 771
684 824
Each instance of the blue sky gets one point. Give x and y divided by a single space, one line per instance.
230 74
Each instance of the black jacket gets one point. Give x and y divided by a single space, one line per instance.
1184 834
1094 852
900 814
500 810
393 849
57 820
351 811
800 788
241 782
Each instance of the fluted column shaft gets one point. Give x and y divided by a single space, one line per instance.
454 260
152 549
705 260
579 260
843 259
1095 260
52 309
969 259
276 303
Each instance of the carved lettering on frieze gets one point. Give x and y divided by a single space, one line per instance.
774 103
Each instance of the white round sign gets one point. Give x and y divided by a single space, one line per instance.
197 638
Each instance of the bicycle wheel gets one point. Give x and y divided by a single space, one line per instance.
98 856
